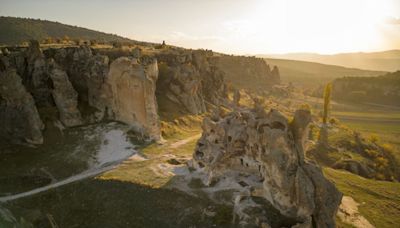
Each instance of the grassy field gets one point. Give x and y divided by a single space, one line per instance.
379 200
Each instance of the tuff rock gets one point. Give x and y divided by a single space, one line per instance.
132 86
267 150
65 96
19 118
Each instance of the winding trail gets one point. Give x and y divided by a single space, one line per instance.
72 179
184 141
87 174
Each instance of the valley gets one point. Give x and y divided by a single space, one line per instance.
99 130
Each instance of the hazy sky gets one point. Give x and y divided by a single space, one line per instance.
235 26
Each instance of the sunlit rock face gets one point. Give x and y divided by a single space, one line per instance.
265 146
133 99
187 78
19 118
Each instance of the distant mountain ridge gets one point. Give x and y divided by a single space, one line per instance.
17 30
379 61
312 73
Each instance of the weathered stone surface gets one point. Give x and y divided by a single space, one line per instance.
133 99
65 96
275 75
99 92
189 79
37 76
19 118
257 144
181 82
246 72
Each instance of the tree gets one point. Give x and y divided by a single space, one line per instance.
327 101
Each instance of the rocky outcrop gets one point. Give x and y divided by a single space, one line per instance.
133 101
65 96
19 118
187 78
81 85
247 72
275 75
98 92
266 147
180 81
37 76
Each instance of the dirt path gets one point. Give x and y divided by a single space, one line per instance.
183 141
95 172
69 180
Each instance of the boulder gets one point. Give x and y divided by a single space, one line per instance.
19 118
266 147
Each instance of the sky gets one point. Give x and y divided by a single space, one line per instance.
232 26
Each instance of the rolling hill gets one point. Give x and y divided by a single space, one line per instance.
381 61
17 30
310 73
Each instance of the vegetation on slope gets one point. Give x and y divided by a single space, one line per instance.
379 200
382 61
383 90
17 30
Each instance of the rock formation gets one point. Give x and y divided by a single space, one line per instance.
98 92
19 118
246 72
275 75
37 76
65 96
88 85
266 147
133 99
189 79
181 81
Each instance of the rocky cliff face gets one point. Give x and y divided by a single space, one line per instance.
133 101
84 86
19 118
73 80
265 152
187 78
247 72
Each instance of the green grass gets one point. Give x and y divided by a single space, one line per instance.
379 200
364 114
146 172
373 127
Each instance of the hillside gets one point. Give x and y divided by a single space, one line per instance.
309 73
382 61
383 90
17 30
